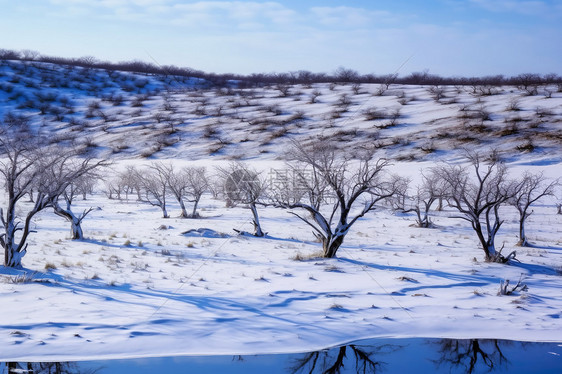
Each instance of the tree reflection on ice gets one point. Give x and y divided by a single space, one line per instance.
358 358
469 352
45 368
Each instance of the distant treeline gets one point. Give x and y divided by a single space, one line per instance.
341 75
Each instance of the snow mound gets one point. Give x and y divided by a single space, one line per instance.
205 233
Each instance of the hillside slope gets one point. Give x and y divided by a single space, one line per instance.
125 115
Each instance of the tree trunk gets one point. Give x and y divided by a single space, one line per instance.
440 205
12 258
487 244
14 252
257 226
423 221
76 232
331 245
491 254
194 213
182 206
419 220
522 237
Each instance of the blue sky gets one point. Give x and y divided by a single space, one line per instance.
445 37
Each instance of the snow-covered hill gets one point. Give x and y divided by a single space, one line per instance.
123 115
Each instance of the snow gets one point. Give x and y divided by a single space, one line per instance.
119 294
143 286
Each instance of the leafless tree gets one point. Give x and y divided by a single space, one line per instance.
215 186
172 123
400 199
30 167
198 184
437 92
356 88
189 183
20 171
153 184
158 116
477 191
328 187
314 96
244 185
533 188
528 82
429 191
129 181
284 90
63 204
28 54
85 184
344 75
112 187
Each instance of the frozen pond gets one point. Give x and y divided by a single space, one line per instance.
366 356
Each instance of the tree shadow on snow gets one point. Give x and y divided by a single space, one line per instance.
156 299
535 268
537 246
467 278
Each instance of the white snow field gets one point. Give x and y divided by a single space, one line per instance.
140 285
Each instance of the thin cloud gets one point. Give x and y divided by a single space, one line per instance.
218 14
240 11
348 16
532 8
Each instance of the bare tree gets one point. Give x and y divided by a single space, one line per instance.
314 96
153 183
64 209
129 181
344 75
533 188
215 186
189 183
112 187
244 185
427 193
29 167
478 195
399 201
28 54
198 184
437 92
85 184
528 82
20 172
329 189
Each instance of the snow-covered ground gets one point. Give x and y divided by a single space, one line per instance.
139 285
